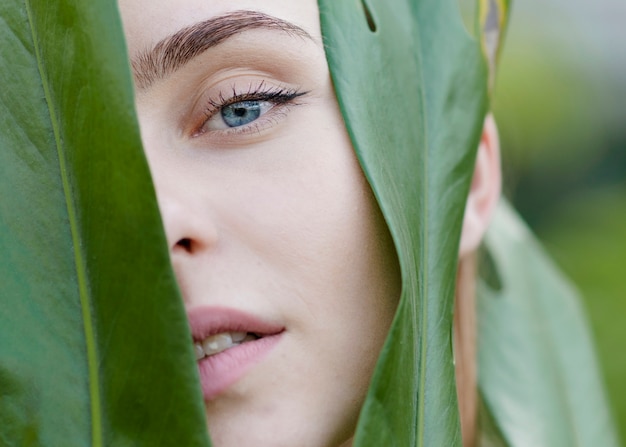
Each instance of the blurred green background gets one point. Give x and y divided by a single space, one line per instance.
560 104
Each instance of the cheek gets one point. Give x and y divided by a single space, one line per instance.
342 254
324 229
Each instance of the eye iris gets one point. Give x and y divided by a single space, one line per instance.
241 113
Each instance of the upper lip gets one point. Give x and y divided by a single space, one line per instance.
207 321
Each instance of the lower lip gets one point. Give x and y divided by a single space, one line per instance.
218 372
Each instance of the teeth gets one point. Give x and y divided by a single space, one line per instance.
238 336
197 347
220 342
217 343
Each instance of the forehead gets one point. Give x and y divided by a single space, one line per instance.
146 22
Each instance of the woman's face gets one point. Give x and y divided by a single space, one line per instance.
286 267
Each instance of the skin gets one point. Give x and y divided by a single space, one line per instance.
275 220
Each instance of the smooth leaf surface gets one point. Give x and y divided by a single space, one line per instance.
94 345
415 132
537 369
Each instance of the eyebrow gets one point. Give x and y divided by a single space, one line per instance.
174 51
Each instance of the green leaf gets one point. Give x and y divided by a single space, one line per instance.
415 133
537 369
412 86
94 341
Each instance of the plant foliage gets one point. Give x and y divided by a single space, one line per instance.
415 132
94 340
538 372
93 334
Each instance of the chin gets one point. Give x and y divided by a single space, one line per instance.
236 419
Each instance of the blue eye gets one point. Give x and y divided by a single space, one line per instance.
238 114
242 110
241 113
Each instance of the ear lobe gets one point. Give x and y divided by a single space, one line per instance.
485 190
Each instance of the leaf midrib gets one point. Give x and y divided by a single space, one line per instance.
423 343
92 357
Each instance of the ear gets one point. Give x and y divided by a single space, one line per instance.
485 190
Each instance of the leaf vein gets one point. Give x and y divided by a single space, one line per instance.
92 357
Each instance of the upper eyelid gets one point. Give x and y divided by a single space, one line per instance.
276 95
260 93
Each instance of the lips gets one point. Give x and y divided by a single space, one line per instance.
228 343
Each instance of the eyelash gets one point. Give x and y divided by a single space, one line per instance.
278 97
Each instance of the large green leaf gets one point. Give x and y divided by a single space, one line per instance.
412 86
94 345
415 132
538 374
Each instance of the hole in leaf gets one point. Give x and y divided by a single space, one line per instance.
368 17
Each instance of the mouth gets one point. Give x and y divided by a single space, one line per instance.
217 343
228 343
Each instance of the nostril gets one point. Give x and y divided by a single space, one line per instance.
185 244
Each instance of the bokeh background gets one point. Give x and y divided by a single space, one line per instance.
560 104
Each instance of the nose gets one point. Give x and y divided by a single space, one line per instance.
183 200
190 230
187 199
189 225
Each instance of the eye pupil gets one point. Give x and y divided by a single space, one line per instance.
241 113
